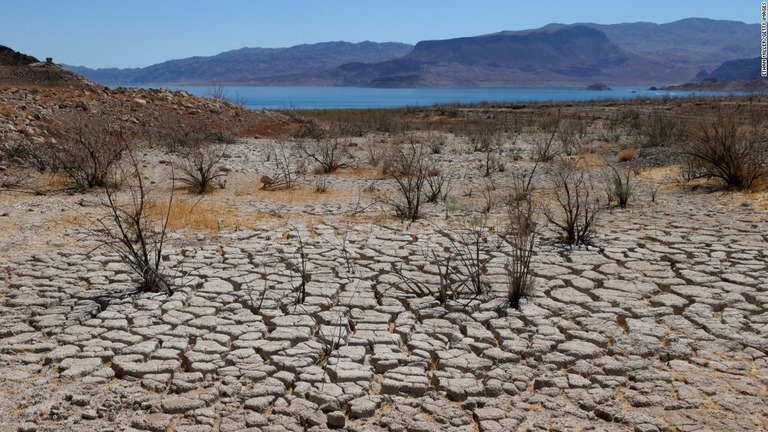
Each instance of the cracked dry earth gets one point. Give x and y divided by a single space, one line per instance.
662 326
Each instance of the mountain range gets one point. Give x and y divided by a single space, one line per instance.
557 54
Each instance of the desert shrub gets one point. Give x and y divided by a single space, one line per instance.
345 129
492 161
737 154
437 186
298 263
691 170
488 192
321 184
22 153
374 153
485 136
436 142
128 229
521 233
218 92
629 119
479 139
577 206
620 188
86 148
448 279
19 149
572 134
545 146
471 245
310 128
329 155
661 129
200 168
408 168
461 261
173 133
387 121
284 173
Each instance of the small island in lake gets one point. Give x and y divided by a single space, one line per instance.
597 87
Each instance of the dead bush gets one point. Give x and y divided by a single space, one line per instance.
321 184
472 245
521 233
661 129
577 204
329 155
85 149
200 168
128 229
408 168
736 154
173 133
438 186
436 142
572 134
545 147
284 173
374 153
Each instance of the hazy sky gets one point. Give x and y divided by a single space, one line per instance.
137 33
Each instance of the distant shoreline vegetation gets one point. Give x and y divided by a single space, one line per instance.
282 98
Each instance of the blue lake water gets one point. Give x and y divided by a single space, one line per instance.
358 97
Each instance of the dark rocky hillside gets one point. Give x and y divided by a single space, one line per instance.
734 75
576 55
738 69
21 69
9 57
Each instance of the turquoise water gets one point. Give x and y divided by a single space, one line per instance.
358 97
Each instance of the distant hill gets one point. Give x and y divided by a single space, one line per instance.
725 85
693 43
9 57
246 64
558 54
738 69
567 55
733 75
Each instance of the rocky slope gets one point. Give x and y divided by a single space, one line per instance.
34 96
20 69
30 113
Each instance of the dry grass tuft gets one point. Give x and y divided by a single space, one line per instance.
626 154
363 171
250 187
7 110
202 215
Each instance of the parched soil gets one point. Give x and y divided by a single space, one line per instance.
660 325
